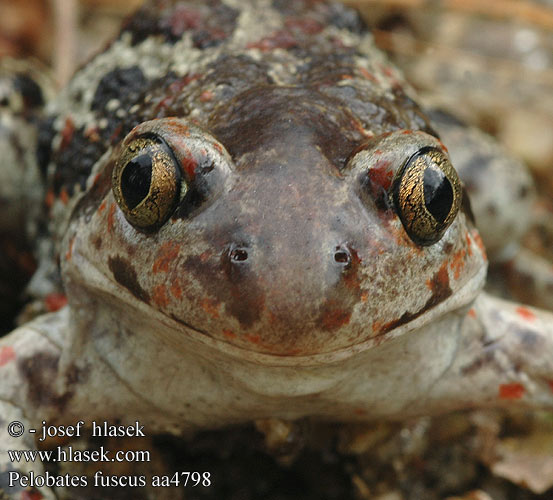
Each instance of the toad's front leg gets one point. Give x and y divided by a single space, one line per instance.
16 455
28 368
504 359
38 384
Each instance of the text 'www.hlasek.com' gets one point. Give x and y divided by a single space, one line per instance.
23 461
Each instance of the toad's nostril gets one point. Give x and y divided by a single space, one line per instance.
342 256
238 255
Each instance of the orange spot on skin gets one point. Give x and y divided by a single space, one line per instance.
480 244
55 301
175 123
364 297
360 411
305 24
165 256
550 382
7 354
49 199
367 75
377 326
440 280
102 207
255 339
31 495
472 312
176 291
401 238
210 307
281 39
206 96
70 249
511 391
189 165
469 244
91 133
335 318
352 280
111 213
160 296
458 263
229 334
382 174
525 313
67 133
204 256
64 197
359 127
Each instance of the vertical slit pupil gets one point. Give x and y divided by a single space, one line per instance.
438 193
136 179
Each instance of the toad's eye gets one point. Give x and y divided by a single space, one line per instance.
427 195
147 182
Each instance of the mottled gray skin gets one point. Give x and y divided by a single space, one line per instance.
290 128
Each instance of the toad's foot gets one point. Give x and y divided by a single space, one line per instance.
36 385
16 456
17 445
504 359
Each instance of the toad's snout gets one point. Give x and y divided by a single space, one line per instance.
284 287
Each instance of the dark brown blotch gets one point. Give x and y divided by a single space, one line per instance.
439 285
125 275
40 372
466 207
480 362
334 315
232 282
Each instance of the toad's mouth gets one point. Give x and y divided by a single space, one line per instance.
170 329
